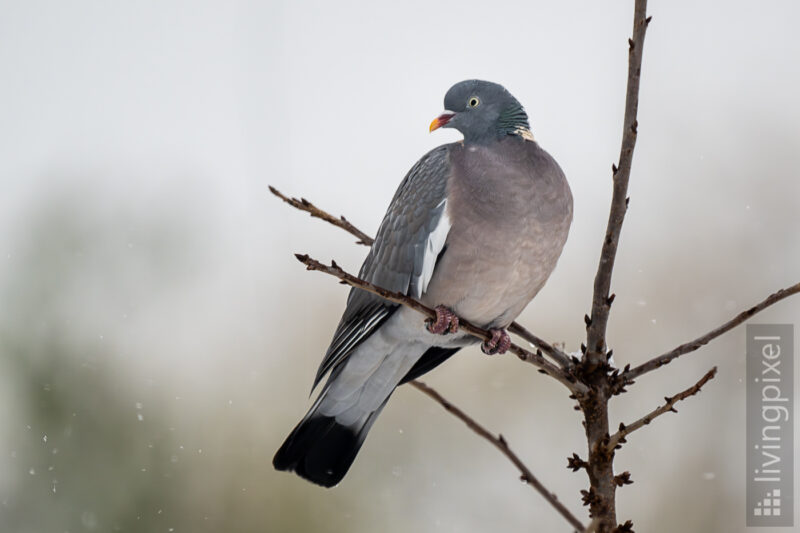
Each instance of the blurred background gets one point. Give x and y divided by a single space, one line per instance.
158 340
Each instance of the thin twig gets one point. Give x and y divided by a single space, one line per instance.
601 299
618 438
304 205
500 443
536 359
691 346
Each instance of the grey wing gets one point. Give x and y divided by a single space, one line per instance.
406 248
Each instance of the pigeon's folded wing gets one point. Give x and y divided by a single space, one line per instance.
409 242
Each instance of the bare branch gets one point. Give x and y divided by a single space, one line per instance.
601 300
618 438
304 205
536 359
691 346
601 496
500 443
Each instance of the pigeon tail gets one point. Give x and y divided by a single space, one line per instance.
321 450
325 443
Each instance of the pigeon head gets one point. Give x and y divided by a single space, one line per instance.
482 111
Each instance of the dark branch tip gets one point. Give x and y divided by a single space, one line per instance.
575 463
588 496
623 479
627 527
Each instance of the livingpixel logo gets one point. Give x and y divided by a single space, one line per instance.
770 428
770 505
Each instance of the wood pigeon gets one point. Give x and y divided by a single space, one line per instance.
474 230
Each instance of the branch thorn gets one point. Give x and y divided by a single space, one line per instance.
627 527
575 463
623 479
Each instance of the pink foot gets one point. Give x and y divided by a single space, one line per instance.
446 321
499 343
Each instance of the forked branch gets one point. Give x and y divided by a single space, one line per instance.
558 356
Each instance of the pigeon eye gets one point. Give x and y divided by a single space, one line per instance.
474 101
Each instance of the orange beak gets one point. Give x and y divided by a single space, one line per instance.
441 120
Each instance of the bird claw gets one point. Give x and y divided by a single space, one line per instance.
499 343
446 321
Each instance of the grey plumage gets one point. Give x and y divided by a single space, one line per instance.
395 259
476 226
